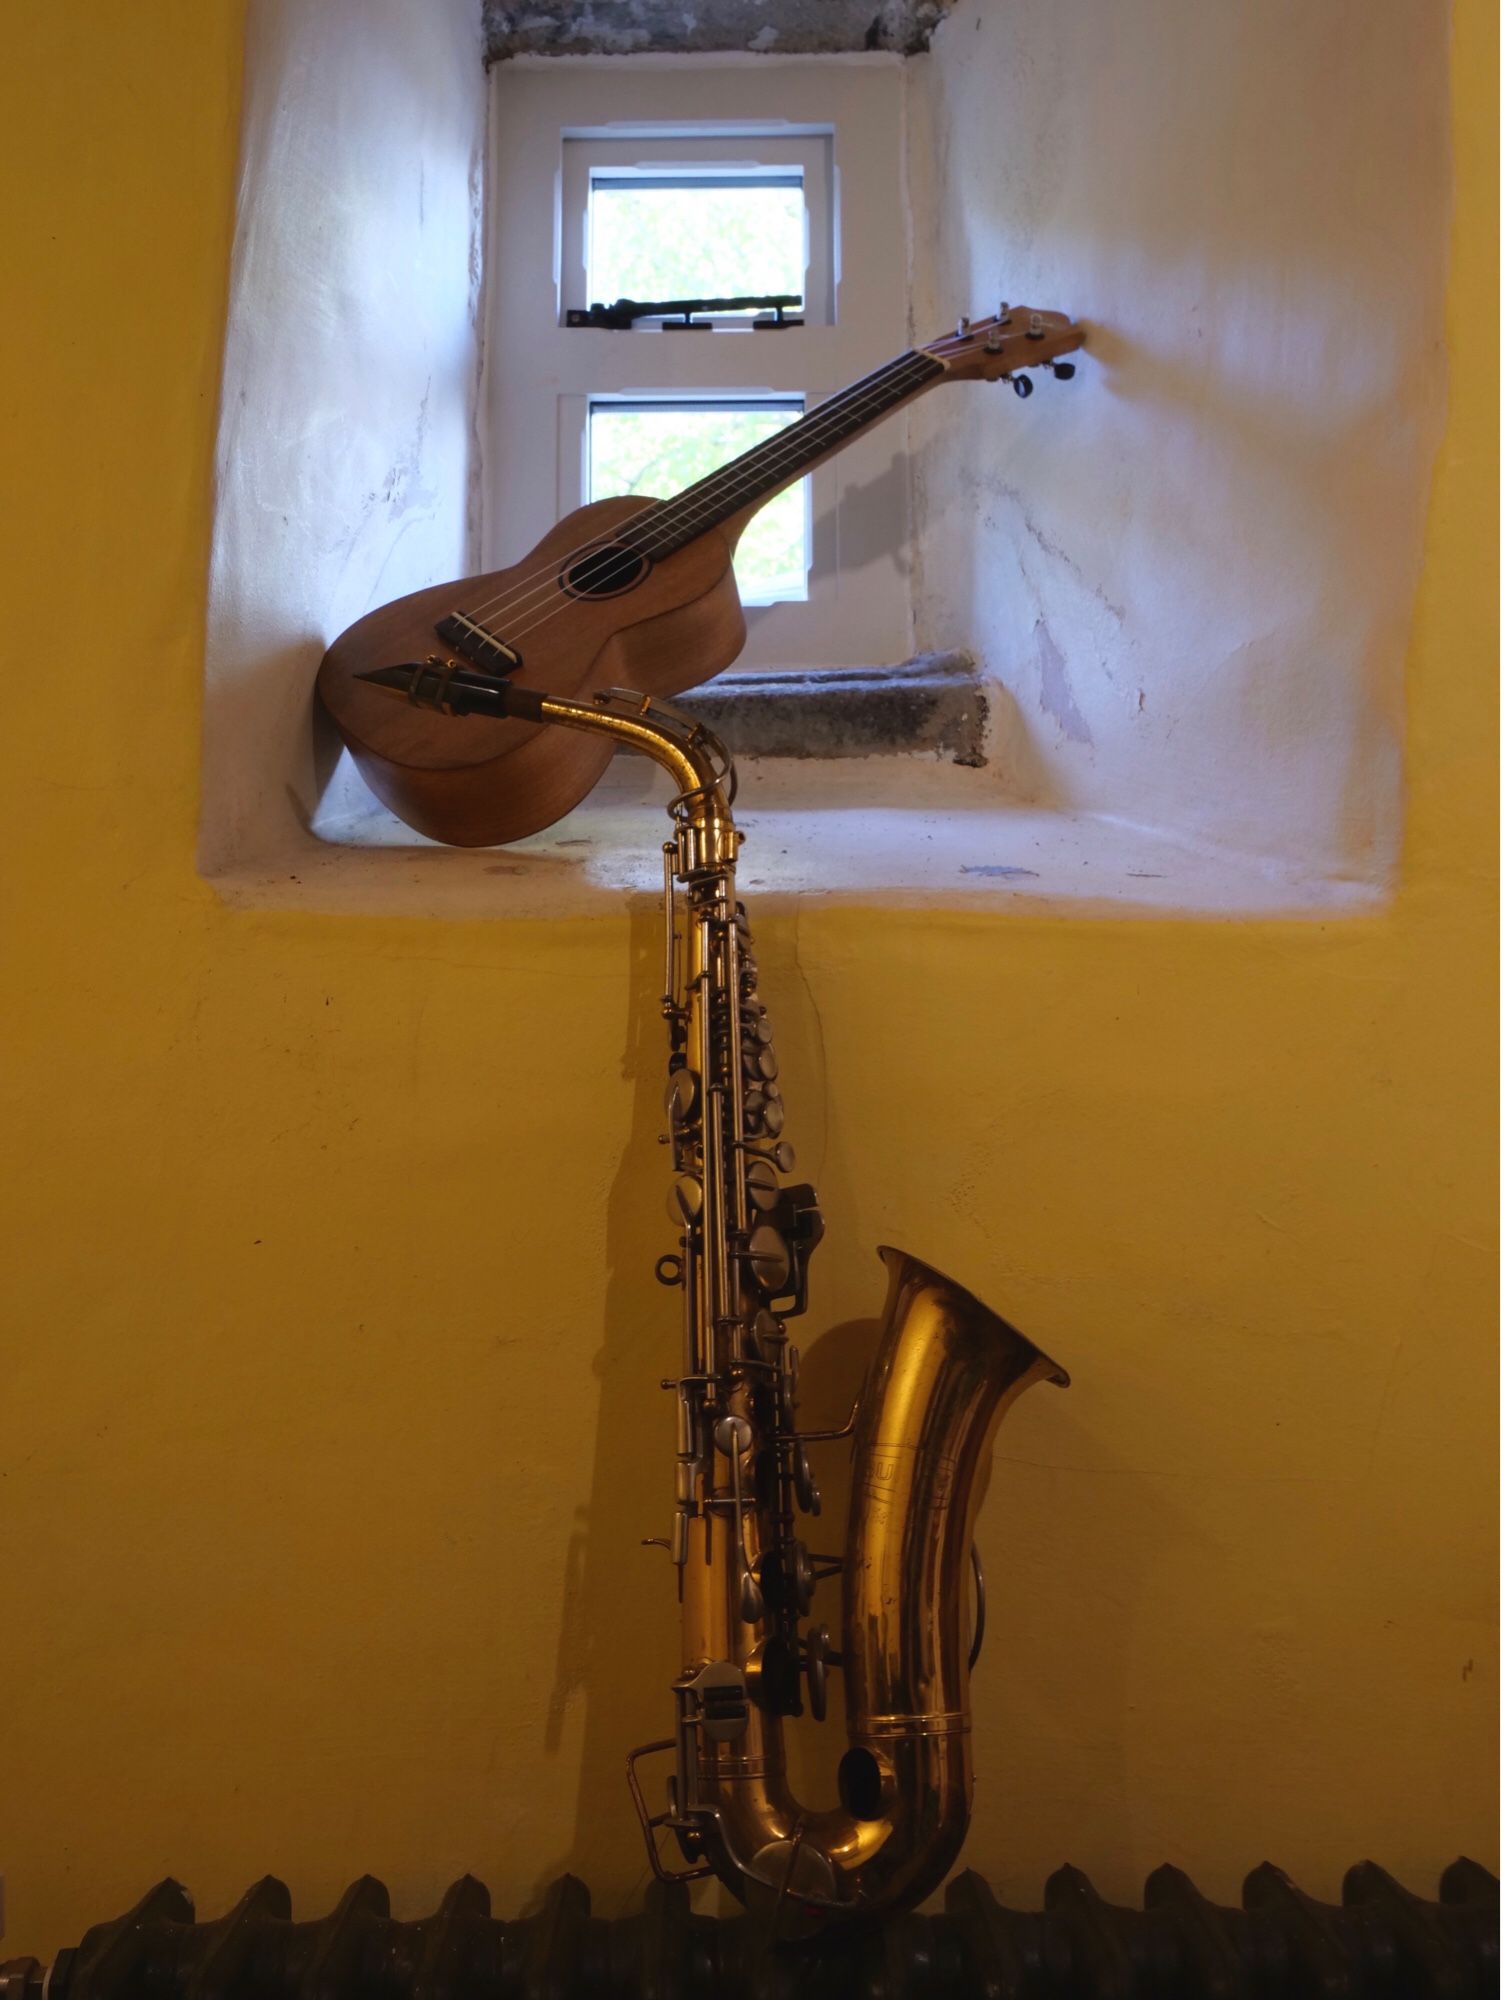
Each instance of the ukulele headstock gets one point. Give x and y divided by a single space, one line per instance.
999 348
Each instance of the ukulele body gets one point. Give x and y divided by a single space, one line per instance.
476 781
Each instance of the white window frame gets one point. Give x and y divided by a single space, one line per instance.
549 122
585 154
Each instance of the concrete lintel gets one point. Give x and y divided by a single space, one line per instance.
763 27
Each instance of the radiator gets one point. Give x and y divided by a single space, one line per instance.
1380 1940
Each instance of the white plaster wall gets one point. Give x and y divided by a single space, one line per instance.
1194 567
347 454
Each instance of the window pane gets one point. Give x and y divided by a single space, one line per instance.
695 236
661 448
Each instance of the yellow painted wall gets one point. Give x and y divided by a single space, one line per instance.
328 1411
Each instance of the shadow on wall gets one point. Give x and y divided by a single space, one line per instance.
618 1648
1196 567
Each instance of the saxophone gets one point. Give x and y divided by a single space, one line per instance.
946 1368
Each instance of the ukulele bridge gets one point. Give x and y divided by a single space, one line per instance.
478 644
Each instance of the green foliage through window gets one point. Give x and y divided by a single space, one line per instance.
660 450
664 239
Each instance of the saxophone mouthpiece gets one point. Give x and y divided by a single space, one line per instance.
397 681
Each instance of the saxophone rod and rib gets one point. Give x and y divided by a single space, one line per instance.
945 1371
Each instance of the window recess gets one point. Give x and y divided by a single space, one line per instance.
786 180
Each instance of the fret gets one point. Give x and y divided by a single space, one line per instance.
780 459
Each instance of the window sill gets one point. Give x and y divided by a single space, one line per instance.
883 830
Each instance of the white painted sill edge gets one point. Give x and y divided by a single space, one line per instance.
890 832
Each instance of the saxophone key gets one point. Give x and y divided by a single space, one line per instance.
791 1577
681 1097
723 1704
685 1199
800 1576
816 1664
762 1335
767 1329
769 1259
804 1485
762 1188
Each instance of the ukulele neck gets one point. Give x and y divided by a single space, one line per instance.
747 481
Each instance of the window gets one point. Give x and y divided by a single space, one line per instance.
785 182
659 446
652 233
660 216
655 234
655 220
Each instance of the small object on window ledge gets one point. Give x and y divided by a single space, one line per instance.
677 314
934 704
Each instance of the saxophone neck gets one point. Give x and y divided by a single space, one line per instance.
691 754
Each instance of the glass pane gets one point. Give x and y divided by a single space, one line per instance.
695 237
660 449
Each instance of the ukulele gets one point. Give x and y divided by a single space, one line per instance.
629 592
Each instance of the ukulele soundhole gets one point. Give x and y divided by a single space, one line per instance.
606 572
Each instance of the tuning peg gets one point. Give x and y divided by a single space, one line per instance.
962 328
1022 384
1064 370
